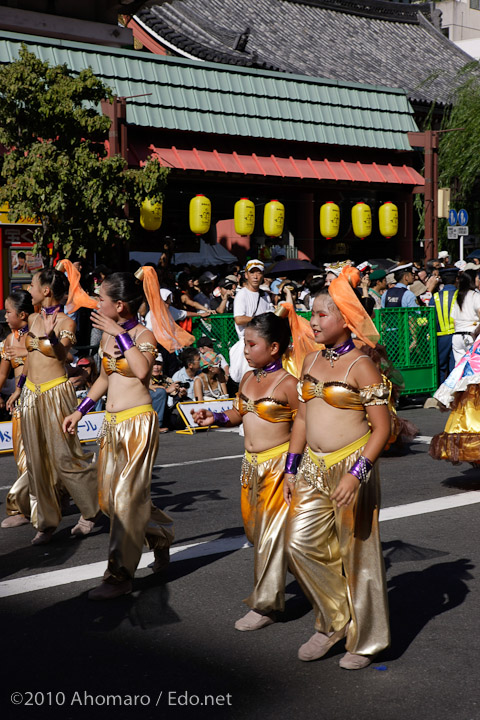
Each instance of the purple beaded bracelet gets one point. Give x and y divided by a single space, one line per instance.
124 342
86 405
220 418
292 463
21 381
361 468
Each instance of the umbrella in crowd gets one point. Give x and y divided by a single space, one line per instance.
474 254
291 268
382 263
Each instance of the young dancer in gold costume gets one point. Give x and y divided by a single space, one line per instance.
18 306
331 483
266 404
129 439
53 459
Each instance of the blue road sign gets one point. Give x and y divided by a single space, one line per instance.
452 217
462 217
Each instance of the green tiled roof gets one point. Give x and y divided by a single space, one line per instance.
203 97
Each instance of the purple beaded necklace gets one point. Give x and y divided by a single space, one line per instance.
271 367
50 310
333 353
130 324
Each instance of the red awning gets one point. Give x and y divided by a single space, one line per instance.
289 167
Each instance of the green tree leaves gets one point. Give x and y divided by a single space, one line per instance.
459 151
55 167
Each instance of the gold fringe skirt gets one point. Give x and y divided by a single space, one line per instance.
128 447
18 498
335 552
55 459
264 513
460 441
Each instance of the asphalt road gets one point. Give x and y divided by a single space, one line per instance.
170 650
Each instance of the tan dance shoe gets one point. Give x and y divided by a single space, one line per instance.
110 590
253 620
319 644
14 521
42 538
354 662
83 527
162 560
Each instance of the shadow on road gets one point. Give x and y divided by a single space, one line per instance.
417 597
55 554
468 480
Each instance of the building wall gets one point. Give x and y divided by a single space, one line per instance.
461 20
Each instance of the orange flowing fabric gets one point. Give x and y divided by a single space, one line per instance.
77 297
352 310
302 338
165 329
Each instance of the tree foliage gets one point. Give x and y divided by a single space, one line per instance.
459 151
55 166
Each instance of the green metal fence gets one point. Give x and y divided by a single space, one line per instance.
409 335
410 338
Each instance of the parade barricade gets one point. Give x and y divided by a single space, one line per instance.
409 335
88 430
410 338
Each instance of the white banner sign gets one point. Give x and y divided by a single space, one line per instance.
186 408
88 429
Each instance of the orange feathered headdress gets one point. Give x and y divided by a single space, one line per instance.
77 297
302 338
352 310
165 329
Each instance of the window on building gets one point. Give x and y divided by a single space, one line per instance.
475 4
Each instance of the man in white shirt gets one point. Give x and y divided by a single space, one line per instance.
249 302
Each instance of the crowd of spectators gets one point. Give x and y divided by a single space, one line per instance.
199 373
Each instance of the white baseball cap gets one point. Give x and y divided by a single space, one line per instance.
254 264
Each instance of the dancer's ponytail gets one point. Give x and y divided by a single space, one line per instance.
165 329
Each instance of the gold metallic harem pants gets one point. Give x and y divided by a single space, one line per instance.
54 458
335 553
264 512
128 447
18 498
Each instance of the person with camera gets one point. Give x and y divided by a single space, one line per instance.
184 379
222 301
161 387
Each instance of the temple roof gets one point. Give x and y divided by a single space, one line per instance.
374 42
177 94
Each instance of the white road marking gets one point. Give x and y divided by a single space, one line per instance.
424 439
197 462
66 576
96 570
427 506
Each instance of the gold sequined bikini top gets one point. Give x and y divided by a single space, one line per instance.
14 362
112 364
341 394
267 408
43 344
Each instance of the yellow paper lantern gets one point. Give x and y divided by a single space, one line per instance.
200 214
273 218
244 216
329 220
388 219
361 220
151 215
